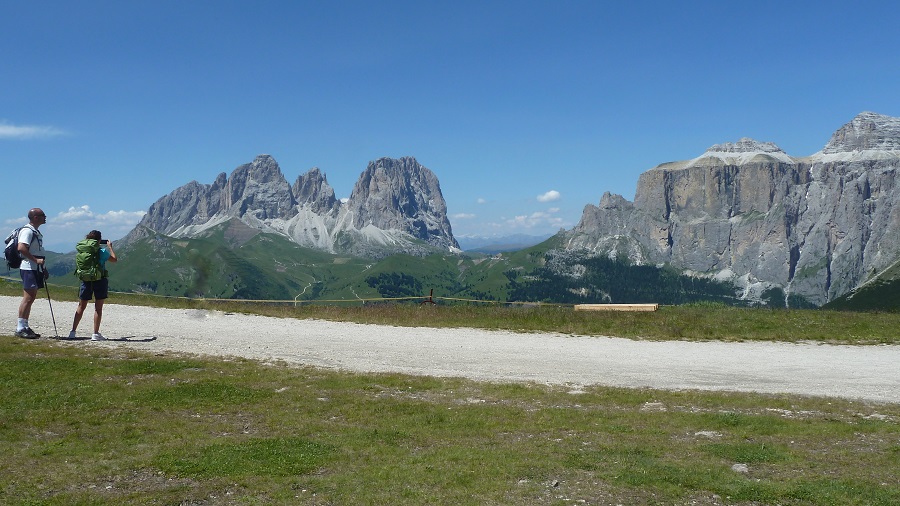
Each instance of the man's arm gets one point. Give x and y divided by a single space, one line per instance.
26 253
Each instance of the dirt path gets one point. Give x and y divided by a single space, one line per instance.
869 373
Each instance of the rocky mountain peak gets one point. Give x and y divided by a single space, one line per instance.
402 195
744 151
259 190
265 169
312 191
745 145
867 131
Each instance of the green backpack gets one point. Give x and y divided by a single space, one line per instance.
87 260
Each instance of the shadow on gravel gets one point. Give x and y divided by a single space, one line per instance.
126 339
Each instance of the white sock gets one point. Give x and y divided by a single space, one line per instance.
23 322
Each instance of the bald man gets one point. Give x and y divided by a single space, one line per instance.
32 270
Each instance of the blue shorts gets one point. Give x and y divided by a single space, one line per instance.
32 280
94 289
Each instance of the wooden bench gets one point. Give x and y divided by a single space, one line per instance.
616 307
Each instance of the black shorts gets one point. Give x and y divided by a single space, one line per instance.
94 289
32 280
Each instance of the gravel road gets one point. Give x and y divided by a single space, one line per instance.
870 373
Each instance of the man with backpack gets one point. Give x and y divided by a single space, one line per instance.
32 269
91 255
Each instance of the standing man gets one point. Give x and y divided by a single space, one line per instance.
32 270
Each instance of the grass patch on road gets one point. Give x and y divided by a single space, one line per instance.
99 425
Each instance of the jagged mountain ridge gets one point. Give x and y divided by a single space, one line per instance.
815 227
395 206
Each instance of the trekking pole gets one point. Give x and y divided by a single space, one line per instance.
55 332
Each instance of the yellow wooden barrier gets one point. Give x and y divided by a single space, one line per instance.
616 307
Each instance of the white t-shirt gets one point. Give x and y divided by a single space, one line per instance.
35 241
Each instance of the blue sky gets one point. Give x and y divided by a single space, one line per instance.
526 111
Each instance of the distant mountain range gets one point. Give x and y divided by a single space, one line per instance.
743 223
396 206
498 244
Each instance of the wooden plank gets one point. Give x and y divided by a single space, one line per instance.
616 307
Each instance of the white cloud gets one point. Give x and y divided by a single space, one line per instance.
550 196
8 131
481 200
536 220
68 227
83 214
75 214
536 223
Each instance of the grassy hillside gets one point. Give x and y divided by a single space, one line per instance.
260 266
245 264
879 294
234 261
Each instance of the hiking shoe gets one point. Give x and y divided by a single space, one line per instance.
72 335
27 333
98 337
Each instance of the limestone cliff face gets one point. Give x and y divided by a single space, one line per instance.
815 227
401 194
396 206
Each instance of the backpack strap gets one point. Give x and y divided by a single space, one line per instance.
36 234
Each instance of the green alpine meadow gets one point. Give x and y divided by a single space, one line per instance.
83 425
109 425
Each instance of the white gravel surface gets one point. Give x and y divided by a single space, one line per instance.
870 373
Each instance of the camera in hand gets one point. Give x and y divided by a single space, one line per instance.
104 241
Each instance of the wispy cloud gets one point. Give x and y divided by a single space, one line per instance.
481 200
463 216
550 196
17 132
